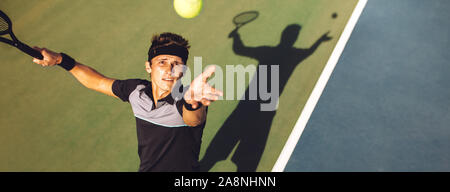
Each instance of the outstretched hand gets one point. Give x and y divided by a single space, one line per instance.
233 33
200 91
325 37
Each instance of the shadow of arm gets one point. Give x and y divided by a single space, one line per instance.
322 39
238 46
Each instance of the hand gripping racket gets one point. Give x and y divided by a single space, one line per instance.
6 28
244 18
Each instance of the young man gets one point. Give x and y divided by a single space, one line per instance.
169 128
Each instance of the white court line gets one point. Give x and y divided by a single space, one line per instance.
318 89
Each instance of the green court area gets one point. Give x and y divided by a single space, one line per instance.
50 122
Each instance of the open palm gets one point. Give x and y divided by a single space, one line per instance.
200 91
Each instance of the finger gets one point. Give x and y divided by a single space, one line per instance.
45 52
208 72
38 61
45 60
210 97
205 102
212 90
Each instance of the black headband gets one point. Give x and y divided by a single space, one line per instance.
172 49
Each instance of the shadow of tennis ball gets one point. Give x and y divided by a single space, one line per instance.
334 15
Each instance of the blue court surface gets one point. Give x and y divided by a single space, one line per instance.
386 106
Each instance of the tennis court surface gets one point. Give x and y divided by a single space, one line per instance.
386 105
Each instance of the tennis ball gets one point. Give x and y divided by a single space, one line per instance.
187 8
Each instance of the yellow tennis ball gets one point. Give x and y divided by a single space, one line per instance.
187 8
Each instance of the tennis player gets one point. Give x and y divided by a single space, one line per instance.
169 128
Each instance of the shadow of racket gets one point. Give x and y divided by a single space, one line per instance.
245 17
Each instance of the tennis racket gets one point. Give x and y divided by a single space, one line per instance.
244 18
6 28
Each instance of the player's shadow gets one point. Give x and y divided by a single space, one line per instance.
248 126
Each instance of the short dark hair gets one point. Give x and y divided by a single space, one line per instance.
171 41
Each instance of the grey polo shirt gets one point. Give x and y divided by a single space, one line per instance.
165 142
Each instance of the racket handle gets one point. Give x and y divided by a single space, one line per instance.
30 51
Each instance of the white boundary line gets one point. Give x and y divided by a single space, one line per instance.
318 89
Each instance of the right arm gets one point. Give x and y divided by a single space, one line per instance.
92 79
238 46
86 75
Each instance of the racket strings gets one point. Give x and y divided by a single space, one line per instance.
3 25
245 17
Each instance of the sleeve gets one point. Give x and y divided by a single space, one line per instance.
123 88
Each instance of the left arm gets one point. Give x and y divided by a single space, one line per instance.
199 95
323 38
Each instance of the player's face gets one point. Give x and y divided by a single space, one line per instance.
166 70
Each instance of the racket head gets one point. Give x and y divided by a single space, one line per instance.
245 17
5 23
